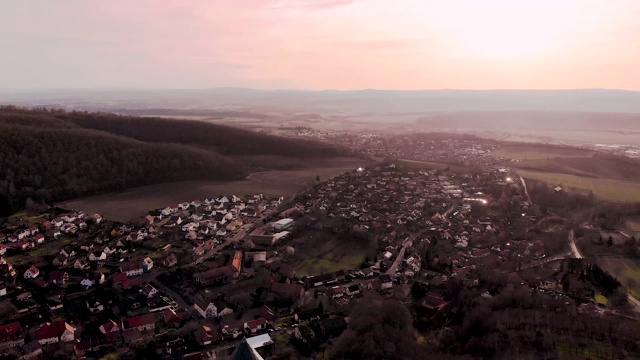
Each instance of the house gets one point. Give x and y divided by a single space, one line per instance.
59 277
60 260
38 239
55 303
254 326
3 289
132 268
147 264
170 260
97 256
67 251
287 291
31 273
94 305
7 270
204 335
11 335
51 333
353 290
109 327
81 264
3 249
141 323
385 281
149 291
206 308
171 316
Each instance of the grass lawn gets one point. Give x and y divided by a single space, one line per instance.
601 299
326 264
634 227
529 151
606 189
627 271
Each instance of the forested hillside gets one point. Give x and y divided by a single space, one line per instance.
50 156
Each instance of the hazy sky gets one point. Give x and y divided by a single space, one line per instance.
320 44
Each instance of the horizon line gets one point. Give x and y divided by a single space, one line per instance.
43 89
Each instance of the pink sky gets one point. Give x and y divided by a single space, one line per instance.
321 44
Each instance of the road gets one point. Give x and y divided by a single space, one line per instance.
526 191
545 260
574 248
392 270
577 254
153 276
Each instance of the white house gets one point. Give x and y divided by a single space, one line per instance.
205 308
97 256
31 273
148 290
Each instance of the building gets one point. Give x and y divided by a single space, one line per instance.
11 335
206 308
132 268
283 224
204 335
147 264
51 333
31 273
141 323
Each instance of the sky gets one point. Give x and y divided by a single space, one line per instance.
320 44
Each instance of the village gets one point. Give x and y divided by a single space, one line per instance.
217 277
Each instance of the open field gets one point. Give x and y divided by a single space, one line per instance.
532 151
431 165
326 264
135 202
627 271
615 168
606 189
634 227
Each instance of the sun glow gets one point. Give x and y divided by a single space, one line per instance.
507 30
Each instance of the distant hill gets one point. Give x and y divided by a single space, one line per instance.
357 102
56 155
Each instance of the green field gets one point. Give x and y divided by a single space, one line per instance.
627 271
532 151
326 264
606 189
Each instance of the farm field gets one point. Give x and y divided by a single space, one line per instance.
326 264
627 271
606 189
531 151
634 227
136 202
431 165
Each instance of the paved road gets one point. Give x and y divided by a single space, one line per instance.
545 260
392 270
153 276
526 191
574 248
577 254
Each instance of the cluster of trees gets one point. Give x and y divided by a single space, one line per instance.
378 330
53 155
592 273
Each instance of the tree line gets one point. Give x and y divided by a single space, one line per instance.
54 155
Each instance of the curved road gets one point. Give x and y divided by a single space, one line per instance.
577 254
